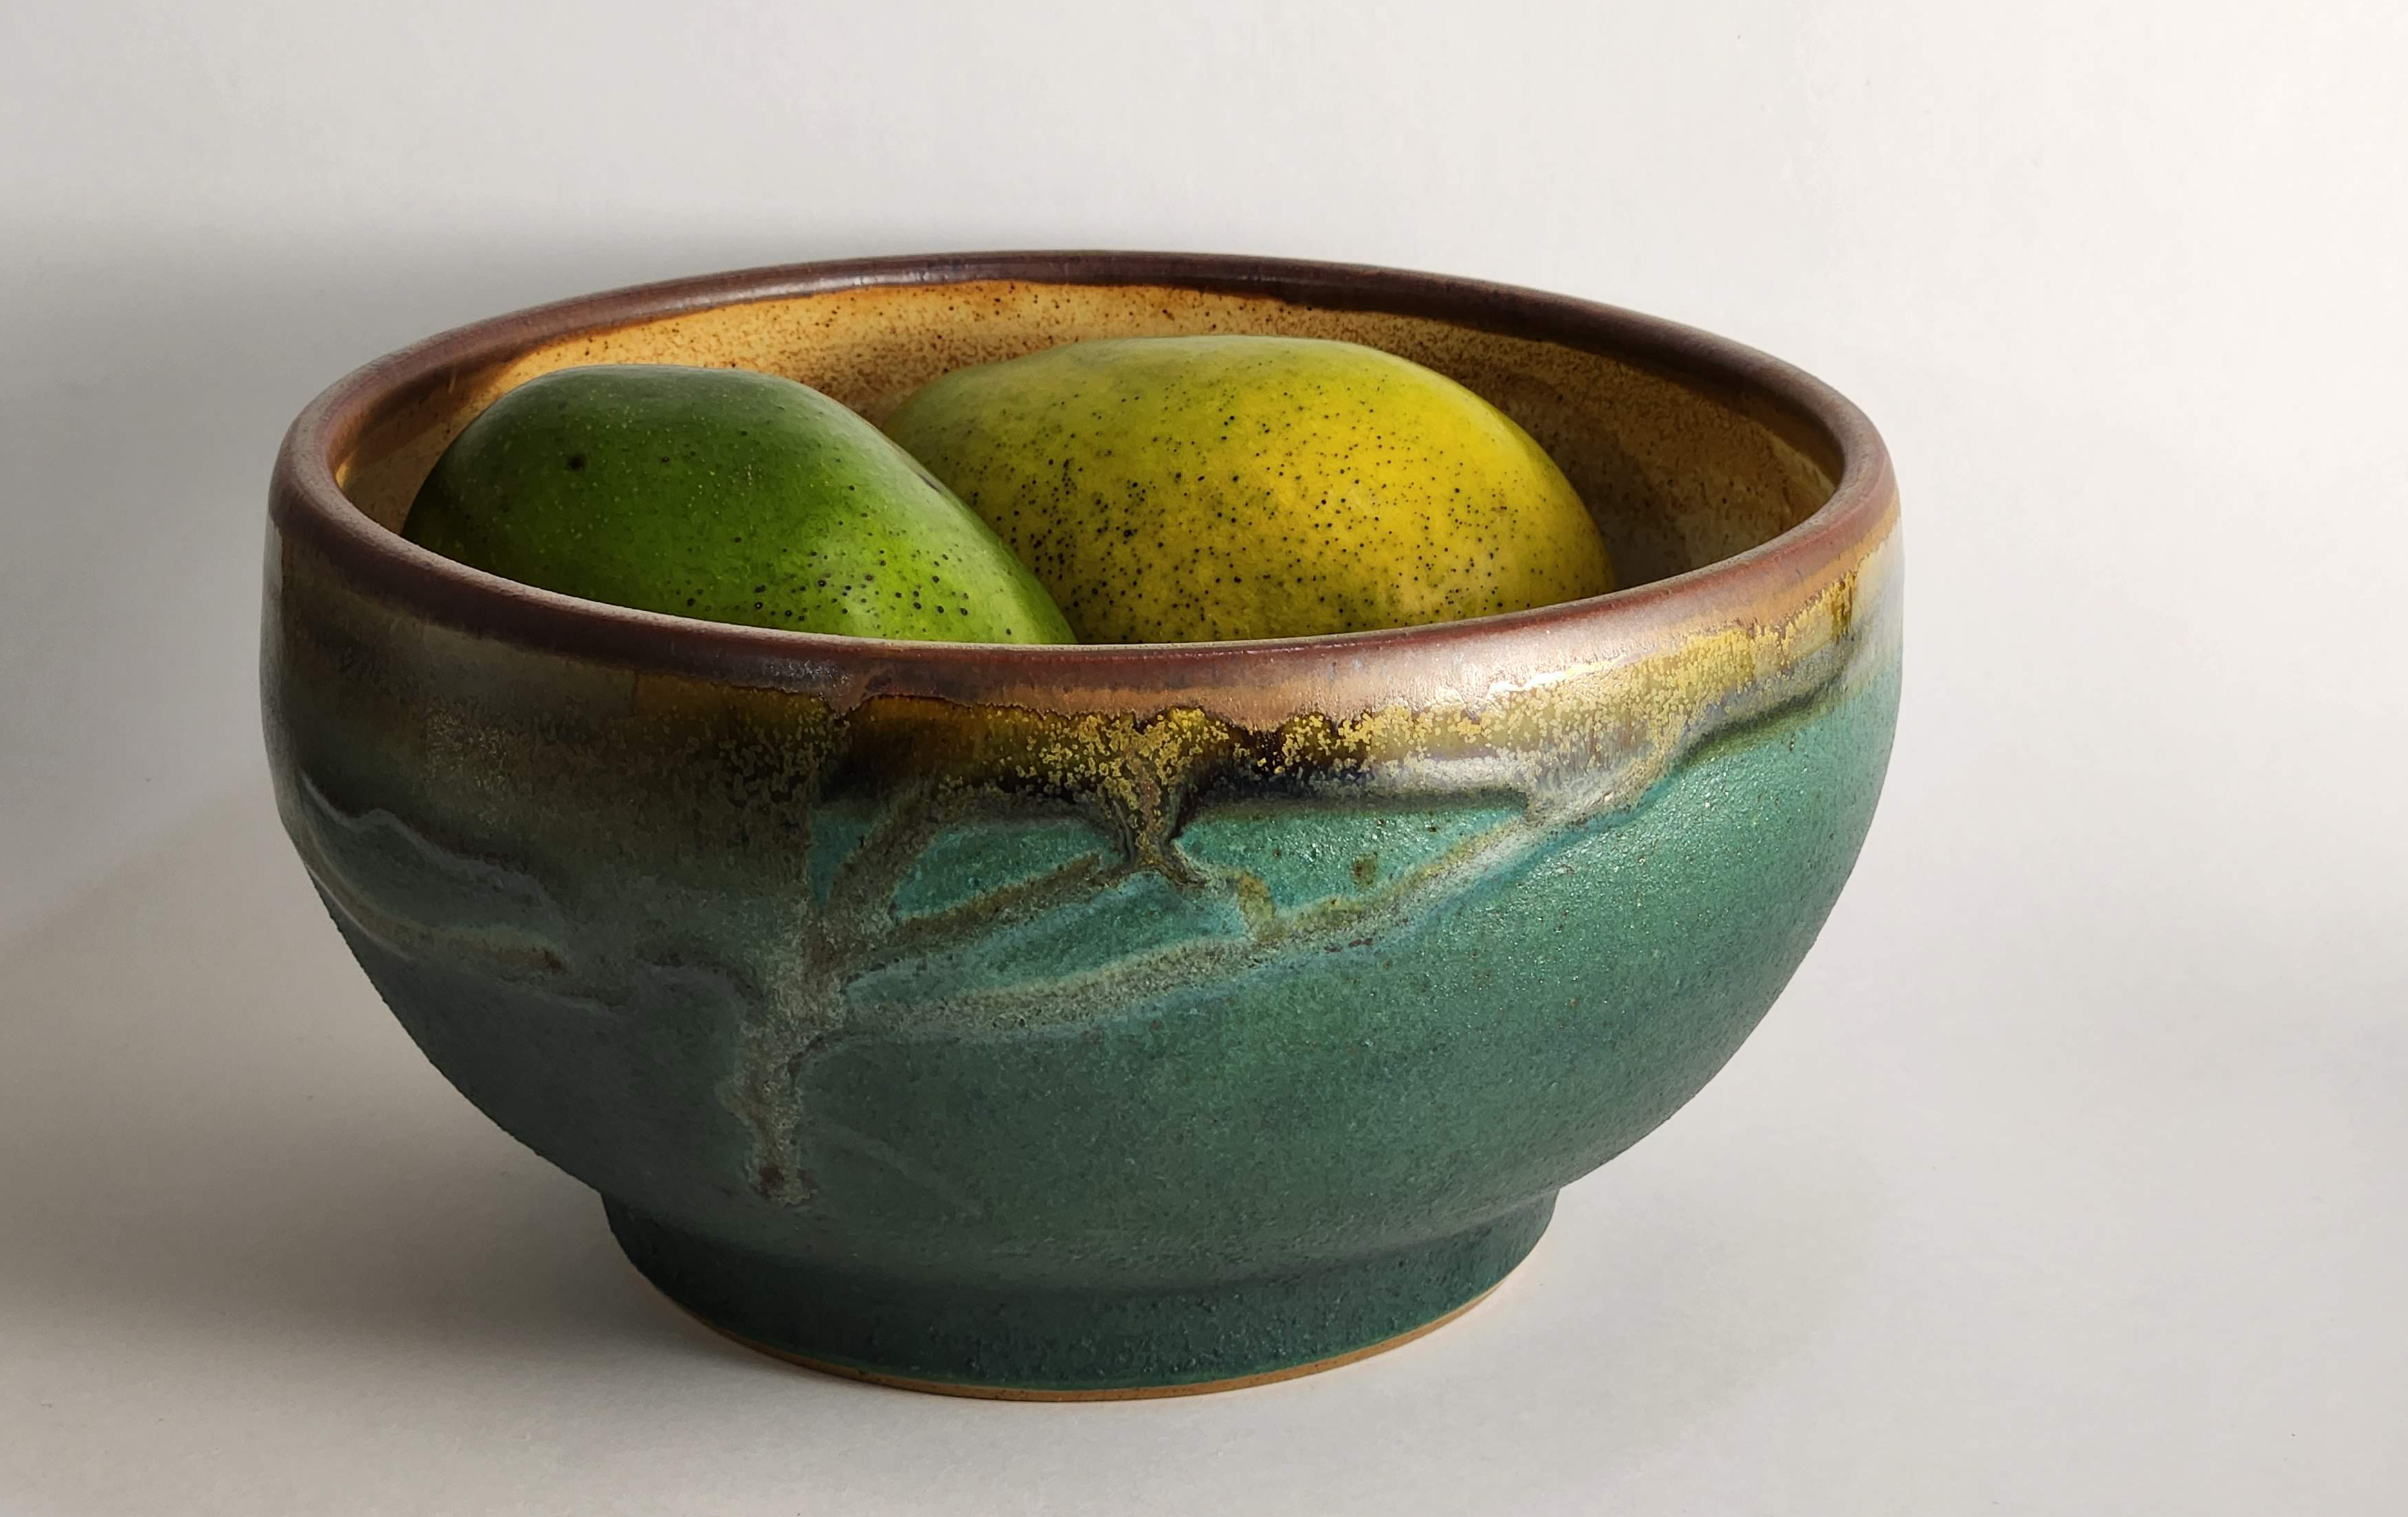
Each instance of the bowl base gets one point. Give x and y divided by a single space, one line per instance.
1067 1344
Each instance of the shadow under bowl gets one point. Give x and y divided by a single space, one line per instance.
1095 1019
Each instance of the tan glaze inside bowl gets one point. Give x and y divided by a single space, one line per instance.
1677 478
1718 476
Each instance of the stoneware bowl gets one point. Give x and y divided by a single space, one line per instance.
1095 1020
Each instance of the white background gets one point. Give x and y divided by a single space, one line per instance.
2071 1174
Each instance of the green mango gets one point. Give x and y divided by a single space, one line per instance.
1201 488
726 495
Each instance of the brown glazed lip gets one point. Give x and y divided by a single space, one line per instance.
1354 669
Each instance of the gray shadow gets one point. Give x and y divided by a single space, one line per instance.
208 1126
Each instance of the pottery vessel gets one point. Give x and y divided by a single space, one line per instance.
1091 1021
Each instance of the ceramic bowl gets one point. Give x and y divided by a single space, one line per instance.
1062 1022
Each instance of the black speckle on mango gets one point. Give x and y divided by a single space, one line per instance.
1195 488
722 494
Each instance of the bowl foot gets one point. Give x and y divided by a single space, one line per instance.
1071 1344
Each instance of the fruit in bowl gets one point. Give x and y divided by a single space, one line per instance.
724 496
1196 489
1101 1019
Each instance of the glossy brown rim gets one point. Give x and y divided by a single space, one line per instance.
306 503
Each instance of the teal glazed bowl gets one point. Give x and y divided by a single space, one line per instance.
1091 1021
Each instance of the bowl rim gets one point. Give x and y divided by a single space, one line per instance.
306 504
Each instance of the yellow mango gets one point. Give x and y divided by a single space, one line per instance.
1207 488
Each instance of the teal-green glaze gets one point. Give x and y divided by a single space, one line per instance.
954 1332
1510 1038
1346 1100
982 856
1088 1019
1306 856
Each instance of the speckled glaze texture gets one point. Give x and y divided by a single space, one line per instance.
1092 1020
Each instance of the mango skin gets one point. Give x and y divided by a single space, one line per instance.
726 495
1209 488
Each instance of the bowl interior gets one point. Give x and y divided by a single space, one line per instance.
1679 470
